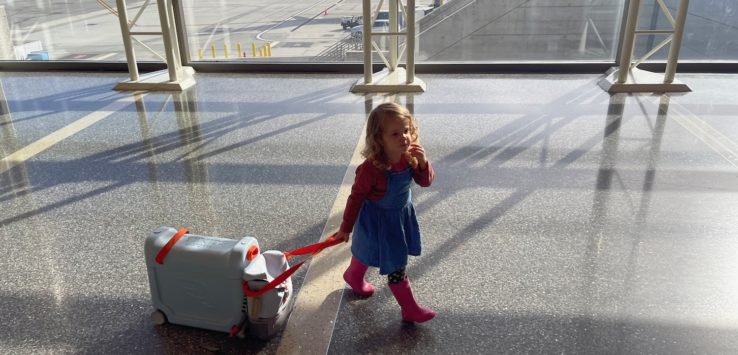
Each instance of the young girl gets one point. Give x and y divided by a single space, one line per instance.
380 210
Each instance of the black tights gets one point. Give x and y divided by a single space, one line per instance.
396 276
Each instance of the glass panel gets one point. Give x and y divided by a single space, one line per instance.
539 30
273 31
330 31
451 30
710 33
72 30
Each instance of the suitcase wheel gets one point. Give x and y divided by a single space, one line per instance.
158 317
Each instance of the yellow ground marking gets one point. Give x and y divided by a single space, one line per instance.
311 324
31 150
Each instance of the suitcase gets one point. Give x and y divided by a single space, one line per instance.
221 284
196 280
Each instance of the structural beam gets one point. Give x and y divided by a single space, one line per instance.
176 77
627 77
392 78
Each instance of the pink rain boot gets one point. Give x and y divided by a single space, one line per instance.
354 276
411 310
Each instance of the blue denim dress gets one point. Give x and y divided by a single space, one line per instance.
386 231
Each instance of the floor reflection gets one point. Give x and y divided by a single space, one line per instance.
198 196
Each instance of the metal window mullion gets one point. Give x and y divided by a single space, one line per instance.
127 43
619 36
676 42
626 52
173 33
164 22
366 38
394 28
410 42
182 38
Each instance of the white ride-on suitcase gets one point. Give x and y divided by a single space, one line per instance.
201 281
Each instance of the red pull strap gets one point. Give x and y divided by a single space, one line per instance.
314 248
277 280
163 252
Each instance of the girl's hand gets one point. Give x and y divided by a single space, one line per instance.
417 151
341 235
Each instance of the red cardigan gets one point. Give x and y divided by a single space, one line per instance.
371 184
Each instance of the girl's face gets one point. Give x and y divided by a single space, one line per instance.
395 138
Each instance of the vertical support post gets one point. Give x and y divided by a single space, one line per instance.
177 61
182 42
393 78
176 77
676 41
366 38
410 42
394 28
127 44
626 53
167 35
628 78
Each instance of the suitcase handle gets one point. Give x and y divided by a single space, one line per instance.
165 250
312 249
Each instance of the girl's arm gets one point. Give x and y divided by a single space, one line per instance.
423 174
424 177
363 183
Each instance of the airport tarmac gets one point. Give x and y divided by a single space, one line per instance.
91 31
230 30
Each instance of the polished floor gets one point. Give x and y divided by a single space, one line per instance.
562 220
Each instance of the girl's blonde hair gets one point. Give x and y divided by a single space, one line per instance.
377 120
